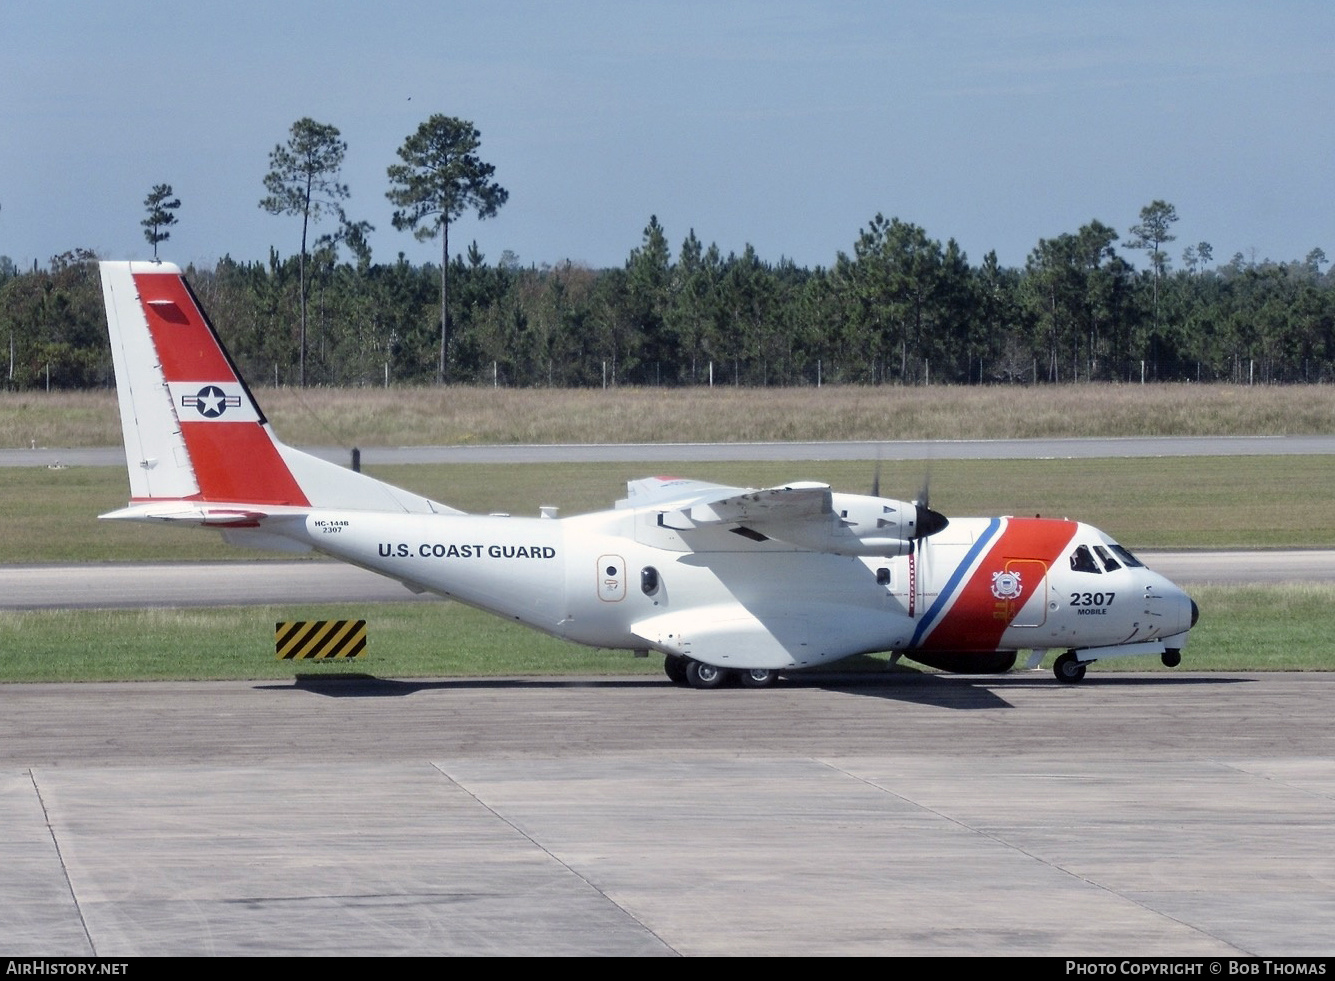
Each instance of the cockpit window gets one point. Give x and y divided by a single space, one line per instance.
1129 560
1110 564
1083 561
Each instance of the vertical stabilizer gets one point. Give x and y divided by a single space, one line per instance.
155 451
193 430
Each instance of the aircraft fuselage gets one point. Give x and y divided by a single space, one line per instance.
621 579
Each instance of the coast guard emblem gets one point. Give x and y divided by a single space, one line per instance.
1006 585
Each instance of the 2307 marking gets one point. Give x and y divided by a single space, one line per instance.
1092 599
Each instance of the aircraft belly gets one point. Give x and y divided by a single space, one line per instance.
733 636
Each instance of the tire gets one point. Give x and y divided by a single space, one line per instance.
1068 669
675 668
757 677
705 676
1171 658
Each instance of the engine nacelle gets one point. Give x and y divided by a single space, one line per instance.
860 525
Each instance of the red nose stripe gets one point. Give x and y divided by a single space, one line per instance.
978 618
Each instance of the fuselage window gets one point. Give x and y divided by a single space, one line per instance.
649 580
883 576
1083 561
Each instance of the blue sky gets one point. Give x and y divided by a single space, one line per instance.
784 125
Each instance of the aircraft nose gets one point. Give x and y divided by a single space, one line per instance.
1195 613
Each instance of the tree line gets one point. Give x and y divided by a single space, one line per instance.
898 308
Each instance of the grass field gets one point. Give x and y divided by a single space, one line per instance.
1271 628
458 415
49 515
1175 502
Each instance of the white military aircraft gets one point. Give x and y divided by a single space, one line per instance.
726 582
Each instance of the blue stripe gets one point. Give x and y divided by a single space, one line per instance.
956 578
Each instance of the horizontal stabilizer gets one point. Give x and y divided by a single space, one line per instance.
193 513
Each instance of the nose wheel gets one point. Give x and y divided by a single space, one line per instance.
1068 669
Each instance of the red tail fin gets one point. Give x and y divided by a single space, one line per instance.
193 430
231 448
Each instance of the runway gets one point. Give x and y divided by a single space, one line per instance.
888 450
1189 815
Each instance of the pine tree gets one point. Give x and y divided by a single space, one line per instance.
161 207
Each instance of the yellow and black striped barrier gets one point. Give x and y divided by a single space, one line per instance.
319 639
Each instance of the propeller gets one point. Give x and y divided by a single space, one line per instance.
929 522
926 521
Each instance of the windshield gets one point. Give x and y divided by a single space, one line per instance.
1127 558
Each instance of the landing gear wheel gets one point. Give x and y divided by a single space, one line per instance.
702 675
757 677
1068 669
1171 658
675 668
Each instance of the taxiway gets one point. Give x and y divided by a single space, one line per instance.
1134 815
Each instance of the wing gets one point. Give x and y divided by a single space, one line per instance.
672 492
700 503
805 514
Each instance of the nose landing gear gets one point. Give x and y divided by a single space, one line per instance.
1069 669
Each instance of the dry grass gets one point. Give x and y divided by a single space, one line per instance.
455 415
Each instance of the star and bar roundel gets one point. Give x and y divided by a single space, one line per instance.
213 401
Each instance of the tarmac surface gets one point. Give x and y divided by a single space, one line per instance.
1131 815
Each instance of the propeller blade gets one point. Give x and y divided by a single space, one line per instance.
928 522
925 493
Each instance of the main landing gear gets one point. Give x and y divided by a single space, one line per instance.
697 674
675 668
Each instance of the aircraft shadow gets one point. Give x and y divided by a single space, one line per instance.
966 692
925 689
958 692
369 686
